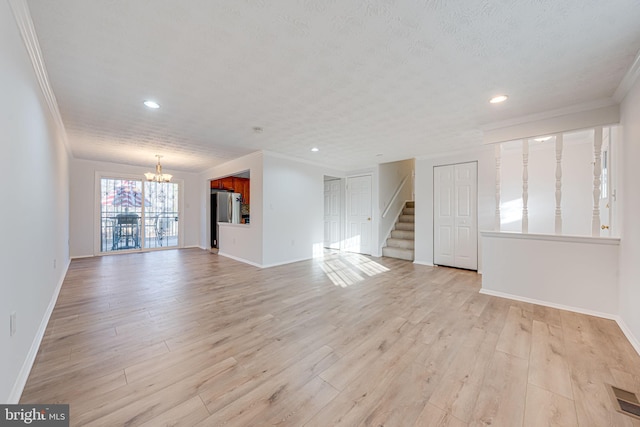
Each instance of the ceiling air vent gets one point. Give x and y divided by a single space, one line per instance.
625 401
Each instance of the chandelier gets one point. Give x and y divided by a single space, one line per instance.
158 176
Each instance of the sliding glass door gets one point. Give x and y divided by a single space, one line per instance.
135 215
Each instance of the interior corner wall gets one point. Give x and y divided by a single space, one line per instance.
424 198
629 269
35 210
293 196
243 242
390 176
82 215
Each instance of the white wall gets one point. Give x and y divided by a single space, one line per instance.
576 273
390 175
83 202
424 198
242 242
34 213
293 210
630 235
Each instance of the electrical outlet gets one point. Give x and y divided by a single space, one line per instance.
12 324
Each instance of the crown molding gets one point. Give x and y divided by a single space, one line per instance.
470 151
572 109
22 16
629 79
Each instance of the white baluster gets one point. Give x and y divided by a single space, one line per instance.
525 185
559 143
498 153
597 171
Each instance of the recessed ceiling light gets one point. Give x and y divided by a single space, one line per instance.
498 99
542 138
315 149
152 104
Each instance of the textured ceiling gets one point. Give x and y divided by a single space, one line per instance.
365 81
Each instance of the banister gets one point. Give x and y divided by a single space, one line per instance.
395 195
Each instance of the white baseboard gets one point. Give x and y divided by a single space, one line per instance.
246 261
286 262
623 326
423 263
23 375
81 256
627 333
550 304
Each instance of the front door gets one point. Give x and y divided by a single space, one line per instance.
455 215
358 238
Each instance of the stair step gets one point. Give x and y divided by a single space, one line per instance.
403 234
411 205
408 211
406 218
405 226
398 253
400 243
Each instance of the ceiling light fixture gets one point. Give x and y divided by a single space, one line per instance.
152 104
542 138
498 99
315 149
158 176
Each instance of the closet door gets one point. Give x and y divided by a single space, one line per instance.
455 215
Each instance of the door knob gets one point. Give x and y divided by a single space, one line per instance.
368 219
605 227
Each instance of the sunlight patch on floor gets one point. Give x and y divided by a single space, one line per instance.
350 269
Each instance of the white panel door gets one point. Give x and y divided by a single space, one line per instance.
332 224
443 195
358 238
455 216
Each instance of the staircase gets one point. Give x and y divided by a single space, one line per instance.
400 244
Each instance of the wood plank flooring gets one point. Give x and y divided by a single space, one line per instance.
186 338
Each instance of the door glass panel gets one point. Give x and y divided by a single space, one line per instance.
120 214
161 215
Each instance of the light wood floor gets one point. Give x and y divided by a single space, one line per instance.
185 337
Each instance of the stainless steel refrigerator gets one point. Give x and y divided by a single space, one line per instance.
225 207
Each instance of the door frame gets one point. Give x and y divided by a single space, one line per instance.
343 209
374 222
99 175
433 213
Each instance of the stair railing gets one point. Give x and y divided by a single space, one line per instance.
395 196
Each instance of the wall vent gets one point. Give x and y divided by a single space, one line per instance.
624 401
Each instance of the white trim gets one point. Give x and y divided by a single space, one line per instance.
627 333
299 160
23 375
553 237
246 261
621 323
22 16
572 109
192 247
466 152
81 256
428 264
627 82
549 304
556 123
277 264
